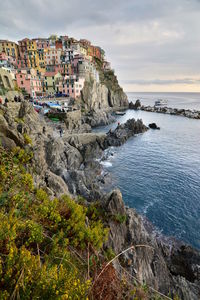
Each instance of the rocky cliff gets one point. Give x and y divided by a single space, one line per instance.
99 99
70 165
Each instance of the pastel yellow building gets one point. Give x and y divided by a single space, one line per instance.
9 47
33 54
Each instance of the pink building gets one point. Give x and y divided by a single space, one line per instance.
28 81
70 86
42 43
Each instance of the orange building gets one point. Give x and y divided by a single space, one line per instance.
58 44
94 51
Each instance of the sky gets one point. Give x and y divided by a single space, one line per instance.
153 45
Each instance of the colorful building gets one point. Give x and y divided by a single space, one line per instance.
94 51
58 44
10 48
28 80
70 86
42 43
54 64
52 56
79 48
87 70
50 81
7 61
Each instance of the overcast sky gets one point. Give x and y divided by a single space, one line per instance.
153 45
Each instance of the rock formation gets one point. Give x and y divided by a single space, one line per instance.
99 99
123 132
135 105
153 126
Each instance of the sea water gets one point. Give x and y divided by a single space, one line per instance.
158 172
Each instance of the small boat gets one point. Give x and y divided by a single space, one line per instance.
120 113
160 102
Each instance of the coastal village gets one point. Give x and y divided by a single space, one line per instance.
48 67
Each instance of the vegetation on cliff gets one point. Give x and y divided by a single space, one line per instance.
108 78
52 248
39 237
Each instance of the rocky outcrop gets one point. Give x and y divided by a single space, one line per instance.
98 118
123 132
170 267
99 99
72 160
192 114
135 105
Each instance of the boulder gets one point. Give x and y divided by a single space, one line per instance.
154 126
6 142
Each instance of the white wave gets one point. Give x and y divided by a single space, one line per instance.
106 164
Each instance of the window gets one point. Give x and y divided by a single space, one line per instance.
22 82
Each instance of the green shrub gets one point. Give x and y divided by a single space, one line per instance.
36 235
119 218
19 120
27 139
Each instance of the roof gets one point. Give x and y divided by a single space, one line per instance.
7 41
50 74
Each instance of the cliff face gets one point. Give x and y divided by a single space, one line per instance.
168 266
99 98
105 95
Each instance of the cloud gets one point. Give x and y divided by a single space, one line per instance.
164 81
145 39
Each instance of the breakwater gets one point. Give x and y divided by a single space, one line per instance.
192 114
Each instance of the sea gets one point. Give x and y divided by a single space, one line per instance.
158 172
